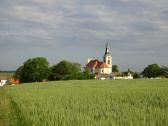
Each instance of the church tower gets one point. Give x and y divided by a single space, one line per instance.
108 57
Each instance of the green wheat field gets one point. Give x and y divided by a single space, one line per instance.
86 103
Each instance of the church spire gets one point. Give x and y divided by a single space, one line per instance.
107 56
107 44
107 51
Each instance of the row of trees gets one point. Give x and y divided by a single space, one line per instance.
116 69
38 70
66 70
154 70
151 71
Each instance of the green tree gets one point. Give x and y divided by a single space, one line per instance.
136 75
115 68
33 70
65 70
86 75
153 70
18 72
129 71
164 71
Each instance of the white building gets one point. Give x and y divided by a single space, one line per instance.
3 82
102 69
121 77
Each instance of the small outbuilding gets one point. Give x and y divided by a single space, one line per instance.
3 82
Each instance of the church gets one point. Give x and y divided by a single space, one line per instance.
101 69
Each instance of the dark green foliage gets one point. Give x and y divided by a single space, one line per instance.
18 73
115 68
86 75
136 75
33 70
128 72
164 71
65 70
153 70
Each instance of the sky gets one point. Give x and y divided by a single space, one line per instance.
75 30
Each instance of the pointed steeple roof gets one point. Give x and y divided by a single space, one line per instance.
107 44
107 51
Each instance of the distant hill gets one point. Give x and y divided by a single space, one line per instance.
3 71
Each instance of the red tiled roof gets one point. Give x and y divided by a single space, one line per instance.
102 65
92 63
96 64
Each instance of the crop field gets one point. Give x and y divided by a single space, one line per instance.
86 103
6 75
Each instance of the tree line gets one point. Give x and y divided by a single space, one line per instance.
151 71
38 70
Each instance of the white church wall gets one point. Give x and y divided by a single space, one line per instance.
107 70
107 59
124 78
103 70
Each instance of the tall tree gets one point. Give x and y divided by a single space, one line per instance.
86 75
18 73
65 70
115 68
33 70
153 70
164 71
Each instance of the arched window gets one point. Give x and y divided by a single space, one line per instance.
108 62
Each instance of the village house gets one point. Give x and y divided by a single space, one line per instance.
101 69
8 80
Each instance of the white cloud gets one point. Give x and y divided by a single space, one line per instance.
33 14
135 27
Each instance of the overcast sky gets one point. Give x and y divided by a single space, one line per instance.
137 31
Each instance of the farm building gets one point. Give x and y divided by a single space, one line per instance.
8 79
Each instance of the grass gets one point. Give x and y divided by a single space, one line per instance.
86 103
